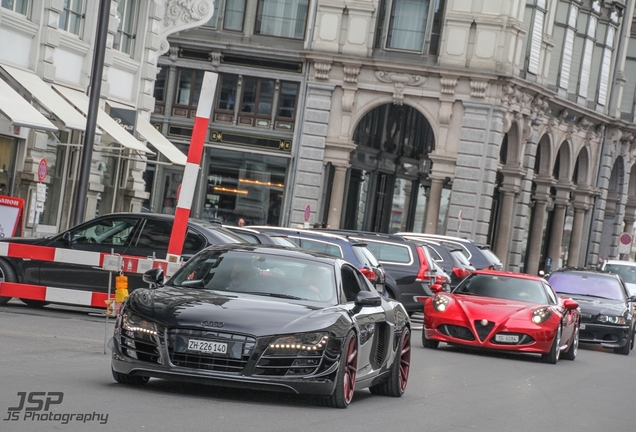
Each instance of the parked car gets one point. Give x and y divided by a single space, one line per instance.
267 331
625 269
135 234
410 267
451 259
504 311
254 236
607 308
354 251
479 255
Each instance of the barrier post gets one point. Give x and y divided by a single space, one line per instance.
193 164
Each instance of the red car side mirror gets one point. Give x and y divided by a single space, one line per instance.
437 288
570 304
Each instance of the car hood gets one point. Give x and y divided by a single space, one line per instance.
494 309
235 312
595 305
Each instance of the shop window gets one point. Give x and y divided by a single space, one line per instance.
187 93
286 105
160 90
19 6
72 16
410 25
126 26
256 103
244 185
6 162
234 15
282 18
227 98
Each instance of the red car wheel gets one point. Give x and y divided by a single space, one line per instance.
346 377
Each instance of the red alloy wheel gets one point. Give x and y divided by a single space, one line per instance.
405 360
351 368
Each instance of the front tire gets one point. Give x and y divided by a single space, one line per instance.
346 377
570 354
629 344
553 356
7 274
396 383
129 379
428 343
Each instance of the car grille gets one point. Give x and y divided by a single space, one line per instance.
380 352
458 332
140 346
483 330
239 351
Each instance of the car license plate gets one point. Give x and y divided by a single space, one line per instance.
207 347
582 326
506 338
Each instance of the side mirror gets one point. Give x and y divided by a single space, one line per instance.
67 237
570 304
154 277
632 299
367 299
437 288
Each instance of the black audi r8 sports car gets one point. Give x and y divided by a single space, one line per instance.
265 317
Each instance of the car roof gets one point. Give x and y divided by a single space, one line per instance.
508 274
306 232
275 250
583 270
620 262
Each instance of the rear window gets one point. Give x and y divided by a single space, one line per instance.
387 252
319 246
283 241
593 285
365 256
490 256
460 258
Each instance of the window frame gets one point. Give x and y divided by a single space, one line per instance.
223 26
26 5
69 13
190 108
160 104
120 33
258 21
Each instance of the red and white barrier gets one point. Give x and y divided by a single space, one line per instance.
193 164
130 264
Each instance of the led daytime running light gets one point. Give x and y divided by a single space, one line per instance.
298 346
612 319
440 303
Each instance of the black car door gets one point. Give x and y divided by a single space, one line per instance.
373 332
101 235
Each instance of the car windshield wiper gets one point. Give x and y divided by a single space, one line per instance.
285 296
586 295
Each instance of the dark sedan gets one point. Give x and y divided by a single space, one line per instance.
265 318
607 309
135 234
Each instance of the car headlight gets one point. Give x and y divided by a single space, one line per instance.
611 319
440 303
134 323
541 315
303 341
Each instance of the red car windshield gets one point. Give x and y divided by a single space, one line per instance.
503 287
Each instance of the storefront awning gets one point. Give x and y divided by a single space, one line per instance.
48 98
104 121
154 137
21 112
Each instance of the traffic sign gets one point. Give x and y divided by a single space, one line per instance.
42 170
625 244
307 213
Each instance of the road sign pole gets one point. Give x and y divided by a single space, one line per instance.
193 164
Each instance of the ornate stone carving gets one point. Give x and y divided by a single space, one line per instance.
181 15
351 74
448 85
400 81
348 101
322 70
478 89
216 58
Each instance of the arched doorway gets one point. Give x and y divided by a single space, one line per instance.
388 179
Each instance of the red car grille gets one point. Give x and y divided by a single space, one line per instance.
458 332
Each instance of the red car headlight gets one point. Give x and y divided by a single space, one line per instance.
541 315
440 303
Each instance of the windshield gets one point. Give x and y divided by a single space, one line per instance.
503 287
626 272
587 284
258 274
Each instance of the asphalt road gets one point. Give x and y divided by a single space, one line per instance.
55 351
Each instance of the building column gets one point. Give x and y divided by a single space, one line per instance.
505 223
337 196
534 248
575 239
556 233
432 206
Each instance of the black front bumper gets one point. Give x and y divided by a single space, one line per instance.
322 384
606 335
